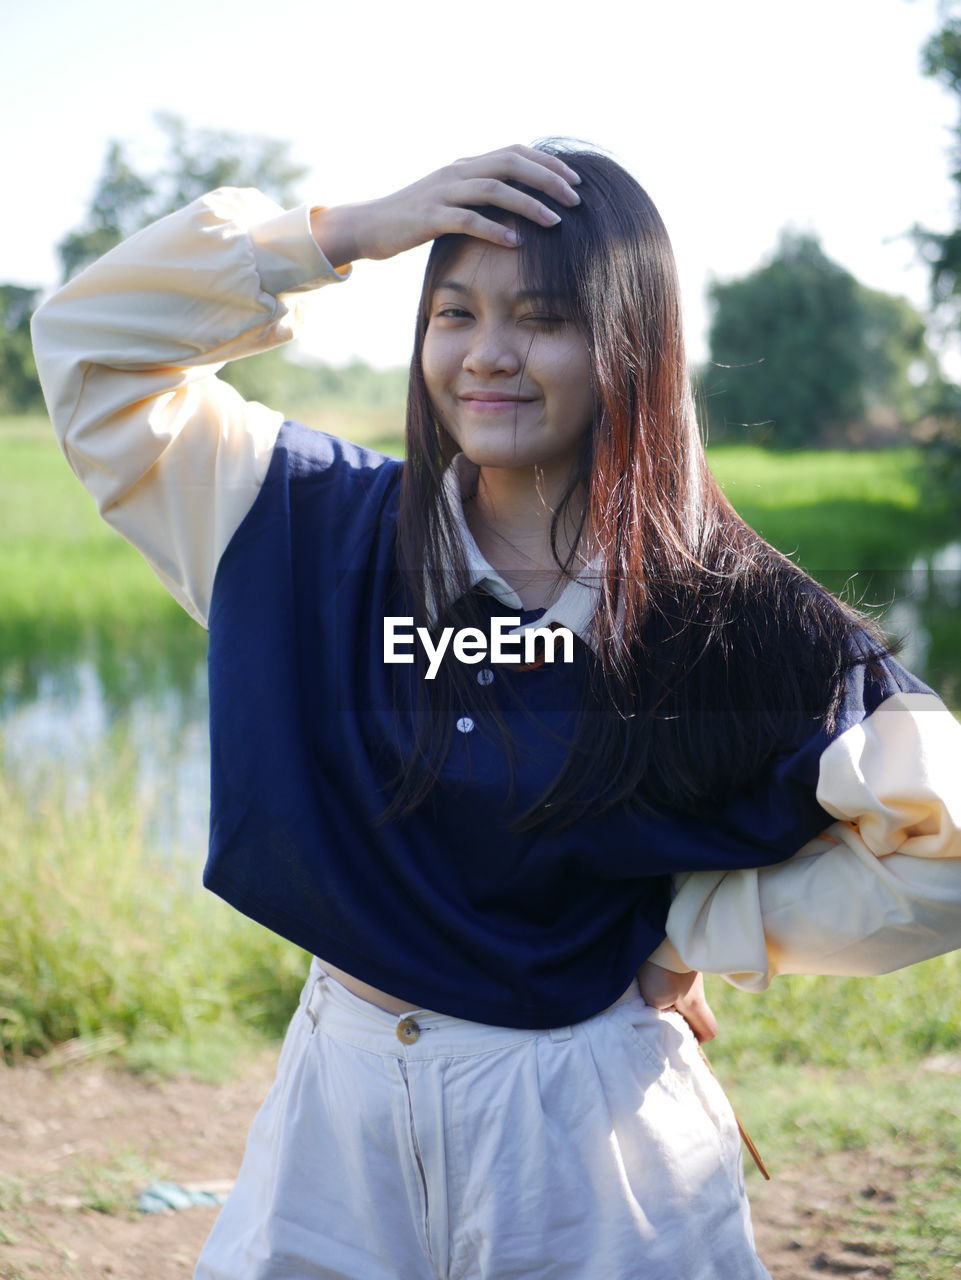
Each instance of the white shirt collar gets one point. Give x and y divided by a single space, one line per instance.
573 608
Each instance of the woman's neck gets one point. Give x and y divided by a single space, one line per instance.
510 518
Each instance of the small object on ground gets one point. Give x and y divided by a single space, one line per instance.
168 1197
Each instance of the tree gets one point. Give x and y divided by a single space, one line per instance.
900 374
197 160
809 355
941 59
123 201
19 388
119 207
203 159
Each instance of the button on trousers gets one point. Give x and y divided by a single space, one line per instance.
425 1147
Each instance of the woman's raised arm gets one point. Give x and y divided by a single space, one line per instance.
128 353
129 350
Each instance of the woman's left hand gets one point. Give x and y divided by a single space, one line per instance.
664 989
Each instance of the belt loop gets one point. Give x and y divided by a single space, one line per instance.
312 1006
560 1033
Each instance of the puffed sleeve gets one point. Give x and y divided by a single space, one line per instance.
128 352
879 888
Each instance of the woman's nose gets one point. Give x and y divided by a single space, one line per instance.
491 350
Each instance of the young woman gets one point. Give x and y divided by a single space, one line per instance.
498 728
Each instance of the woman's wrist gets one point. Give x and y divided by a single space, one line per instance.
338 233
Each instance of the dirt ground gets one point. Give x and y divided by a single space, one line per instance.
76 1145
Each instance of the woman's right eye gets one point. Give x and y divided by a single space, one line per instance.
452 313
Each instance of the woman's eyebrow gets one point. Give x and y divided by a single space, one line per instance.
453 285
522 295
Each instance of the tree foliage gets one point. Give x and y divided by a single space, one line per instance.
197 160
126 198
294 386
19 389
898 368
804 354
121 205
200 160
941 59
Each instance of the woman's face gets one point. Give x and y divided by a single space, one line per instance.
508 374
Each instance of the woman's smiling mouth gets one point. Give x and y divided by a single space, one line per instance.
487 400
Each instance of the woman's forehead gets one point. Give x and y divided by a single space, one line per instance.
480 267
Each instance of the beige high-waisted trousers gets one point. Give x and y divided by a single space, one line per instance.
425 1147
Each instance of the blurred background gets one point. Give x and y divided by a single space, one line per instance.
806 160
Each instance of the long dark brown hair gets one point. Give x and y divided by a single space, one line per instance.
715 653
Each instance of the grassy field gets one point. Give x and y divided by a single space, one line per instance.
68 581
113 947
837 512
69 587
864 1169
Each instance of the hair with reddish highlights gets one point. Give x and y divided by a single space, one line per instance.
716 652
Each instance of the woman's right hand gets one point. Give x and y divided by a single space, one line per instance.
664 989
440 203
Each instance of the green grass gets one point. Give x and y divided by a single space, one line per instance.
753 477
70 588
829 1124
109 945
60 560
838 513
826 1073
109 1186
69 582
840 1022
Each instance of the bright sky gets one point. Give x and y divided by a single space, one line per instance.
738 117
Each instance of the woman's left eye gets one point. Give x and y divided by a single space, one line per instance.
547 322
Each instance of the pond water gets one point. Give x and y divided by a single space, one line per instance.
68 727
74 732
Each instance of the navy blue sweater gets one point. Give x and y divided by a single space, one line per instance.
445 908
